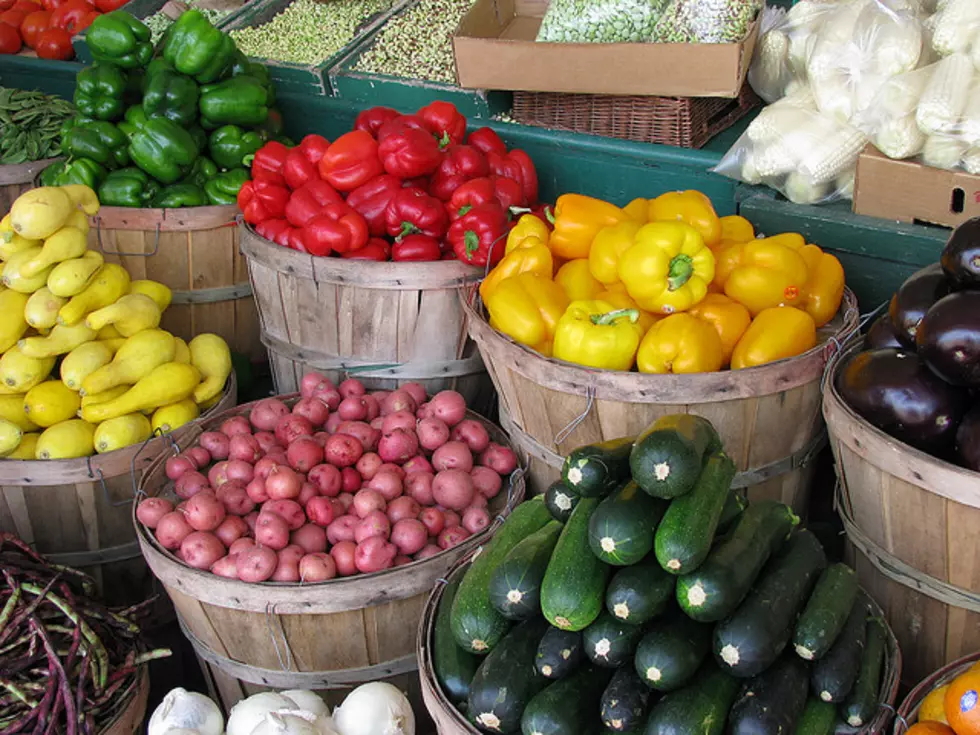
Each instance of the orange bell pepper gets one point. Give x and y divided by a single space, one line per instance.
763 274
577 280
729 318
691 207
775 334
527 255
825 285
578 219
680 343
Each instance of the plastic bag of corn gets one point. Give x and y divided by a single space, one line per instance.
600 21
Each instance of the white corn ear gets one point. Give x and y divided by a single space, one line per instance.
800 190
831 155
969 129
971 161
946 95
954 26
943 151
900 138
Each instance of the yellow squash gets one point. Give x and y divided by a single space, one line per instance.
131 314
122 431
39 213
12 323
161 294
12 410
110 284
13 276
82 197
41 311
50 403
10 242
83 361
19 373
26 448
138 355
210 355
71 277
182 353
106 395
165 384
65 244
10 437
167 418
59 341
67 440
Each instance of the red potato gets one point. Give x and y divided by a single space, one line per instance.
416 391
472 433
217 444
313 383
317 567
271 530
418 463
403 507
377 424
267 413
306 493
453 489
226 566
201 549
409 535
475 519
292 427
332 423
287 570
389 484
267 441
363 432
342 529
218 474
283 483
432 433
179 466
234 426
277 455
204 512
304 454
499 458
452 455
451 517
239 545
293 553
427 551
419 486
398 445
264 466
345 500
398 401
372 407
351 479
200 456
321 438
256 491
151 510
392 467
367 500
379 394
245 447
343 450
234 496
320 510
368 465
232 528
290 510
353 408
449 406
313 409
374 554
238 471
327 479
250 519
256 564
343 556
312 538
376 523
433 520
486 482
424 411
479 501
351 387
401 560
452 536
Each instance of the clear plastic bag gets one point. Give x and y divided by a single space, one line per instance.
955 27
600 21
706 21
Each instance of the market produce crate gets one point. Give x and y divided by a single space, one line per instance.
908 712
685 122
44 75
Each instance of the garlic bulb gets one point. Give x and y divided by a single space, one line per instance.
184 710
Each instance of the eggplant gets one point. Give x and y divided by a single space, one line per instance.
961 256
912 300
897 392
968 439
948 338
881 334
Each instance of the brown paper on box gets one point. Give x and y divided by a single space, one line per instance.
495 49
908 191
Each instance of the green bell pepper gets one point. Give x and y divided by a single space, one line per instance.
230 144
119 38
163 149
49 176
128 187
273 125
134 120
198 49
171 95
81 171
259 72
134 86
180 195
200 137
223 188
100 141
99 91
236 101
203 170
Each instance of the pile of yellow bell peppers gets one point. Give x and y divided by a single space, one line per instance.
665 285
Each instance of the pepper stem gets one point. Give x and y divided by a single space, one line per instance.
407 229
603 320
549 215
444 141
247 161
465 209
472 243
680 271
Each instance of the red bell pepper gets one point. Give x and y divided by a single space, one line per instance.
487 141
268 162
508 192
294 239
307 203
313 147
478 237
443 120
69 15
413 212
475 192
261 200
270 228
400 123
297 170
376 249
372 119
371 201
416 248
409 153
337 229
421 182
449 255
283 236
350 161
517 165
460 163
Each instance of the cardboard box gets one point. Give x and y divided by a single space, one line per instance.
908 191
495 49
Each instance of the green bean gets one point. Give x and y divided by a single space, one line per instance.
30 125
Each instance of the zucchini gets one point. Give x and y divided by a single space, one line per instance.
621 529
861 704
507 680
687 531
623 706
700 708
610 642
574 584
560 500
772 702
641 592
559 653
670 654
595 469
566 707
735 505
454 667
515 585
833 675
666 459
826 612
476 625
718 586
818 718
751 640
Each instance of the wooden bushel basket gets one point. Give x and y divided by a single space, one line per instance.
386 323
130 719
908 711
768 416
911 522
326 636
18 178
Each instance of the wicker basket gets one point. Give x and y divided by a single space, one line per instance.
685 122
908 712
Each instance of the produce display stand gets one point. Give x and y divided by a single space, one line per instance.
907 712
17 178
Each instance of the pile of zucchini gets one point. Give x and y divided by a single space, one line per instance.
641 594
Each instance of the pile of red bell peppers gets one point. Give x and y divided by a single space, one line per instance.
398 187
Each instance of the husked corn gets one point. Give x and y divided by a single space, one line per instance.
801 190
831 155
900 138
943 151
946 95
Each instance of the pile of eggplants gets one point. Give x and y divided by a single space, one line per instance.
918 377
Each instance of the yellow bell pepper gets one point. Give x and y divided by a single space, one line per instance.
825 285
638 210
609 244
616 296
578 219
668 267
735 229
764 274
729 318
691 207
597 335
577 280
527 226
529 255
527 307
775 334
680 343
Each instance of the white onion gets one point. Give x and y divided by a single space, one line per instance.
287 723
307 701
184 710
376 708
247 714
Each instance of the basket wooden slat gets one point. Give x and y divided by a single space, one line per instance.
18 178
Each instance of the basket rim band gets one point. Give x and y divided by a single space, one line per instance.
212 295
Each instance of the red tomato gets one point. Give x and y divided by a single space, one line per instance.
28 6
51 4
69 14
10 42
86 20
13 17
54 43
6 5
32 26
